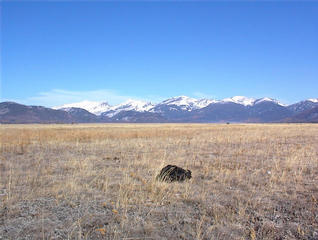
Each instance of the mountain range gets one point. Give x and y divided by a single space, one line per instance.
176 109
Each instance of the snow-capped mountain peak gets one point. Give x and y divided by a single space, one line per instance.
179 101
187 103
136 105
174 105
94 107
240 100
129 105
314 100
201 103
250 101
266 99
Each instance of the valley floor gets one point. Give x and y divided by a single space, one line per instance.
97 181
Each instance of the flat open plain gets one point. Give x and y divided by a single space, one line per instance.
97 181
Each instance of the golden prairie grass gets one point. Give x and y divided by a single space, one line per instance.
97 181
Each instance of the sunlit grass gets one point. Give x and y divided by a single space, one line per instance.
98 181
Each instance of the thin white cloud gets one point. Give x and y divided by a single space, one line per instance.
57 97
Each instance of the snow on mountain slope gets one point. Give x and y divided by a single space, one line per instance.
180 103
136 105
186 103
240 100
201 103
303 105
93 107
266 99
314 100
250 101
129 105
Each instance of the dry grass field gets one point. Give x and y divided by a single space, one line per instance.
97 181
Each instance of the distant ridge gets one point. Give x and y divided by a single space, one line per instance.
176 109
309 115
183 103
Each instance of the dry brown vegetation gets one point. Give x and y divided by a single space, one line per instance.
98 181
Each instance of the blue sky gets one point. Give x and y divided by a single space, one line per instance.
61 52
